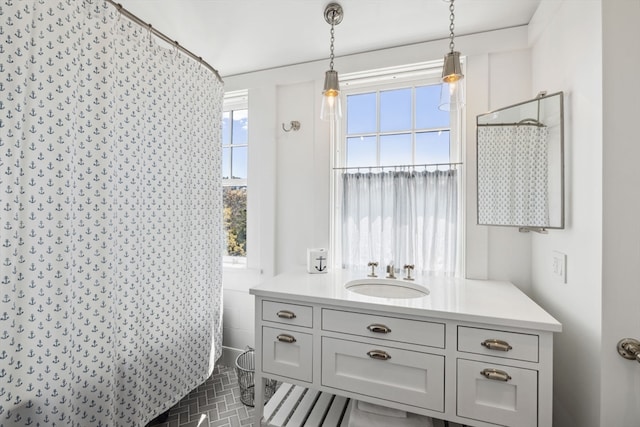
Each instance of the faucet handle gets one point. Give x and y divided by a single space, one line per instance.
409 268
373 266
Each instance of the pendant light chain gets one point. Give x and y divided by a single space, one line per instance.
332 40
451 26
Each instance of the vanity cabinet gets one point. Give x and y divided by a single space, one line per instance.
466 368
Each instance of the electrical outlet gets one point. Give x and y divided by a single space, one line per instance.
559 266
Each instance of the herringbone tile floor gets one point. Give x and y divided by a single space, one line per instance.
215 403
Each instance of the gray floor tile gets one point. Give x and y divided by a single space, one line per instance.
215 403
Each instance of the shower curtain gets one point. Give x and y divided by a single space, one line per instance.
110 307
401 217
512 175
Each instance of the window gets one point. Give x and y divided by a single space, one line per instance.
235 140
396 186
395 127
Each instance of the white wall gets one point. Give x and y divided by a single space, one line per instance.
566 56
509 251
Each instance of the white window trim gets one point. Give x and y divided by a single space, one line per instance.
418 74
236 100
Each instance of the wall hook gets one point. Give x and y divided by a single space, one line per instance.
294 125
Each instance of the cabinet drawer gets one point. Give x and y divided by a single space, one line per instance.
496 343
290 314
383 327
287 353
513 402
408 377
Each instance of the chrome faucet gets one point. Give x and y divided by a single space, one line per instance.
390 272
373 266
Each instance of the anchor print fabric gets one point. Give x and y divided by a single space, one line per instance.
110 208
513 175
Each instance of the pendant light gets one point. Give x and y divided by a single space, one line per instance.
331 105
452 89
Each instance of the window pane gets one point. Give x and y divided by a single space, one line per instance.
427 113
240 127
361 151
395 150
239 162
361 113
395 110
432 147
226 128
226 163
235 220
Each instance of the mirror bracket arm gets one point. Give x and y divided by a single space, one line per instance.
540 230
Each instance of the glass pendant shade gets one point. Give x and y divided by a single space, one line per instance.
452 88
331 105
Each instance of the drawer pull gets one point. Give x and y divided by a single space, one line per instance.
495 374
286 314
286 338
493 344
378 328
378 355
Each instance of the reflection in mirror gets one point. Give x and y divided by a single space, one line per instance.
520 167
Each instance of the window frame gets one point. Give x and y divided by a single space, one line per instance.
233 101
413 75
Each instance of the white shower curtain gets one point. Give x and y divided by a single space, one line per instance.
402 217
512 175
110 195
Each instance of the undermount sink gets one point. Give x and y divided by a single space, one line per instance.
387 288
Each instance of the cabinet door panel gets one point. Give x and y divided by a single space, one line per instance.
408 377
511 345
290 314
513 402
287 353
389 328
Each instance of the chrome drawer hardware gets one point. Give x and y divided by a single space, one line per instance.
286 314
286 338
629 349
495 374
379 355
494 344
378 328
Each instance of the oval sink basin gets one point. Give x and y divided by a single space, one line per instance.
387 288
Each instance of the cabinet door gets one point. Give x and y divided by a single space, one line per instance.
408 377
287 353
510 400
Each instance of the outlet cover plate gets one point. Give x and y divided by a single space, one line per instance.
559 266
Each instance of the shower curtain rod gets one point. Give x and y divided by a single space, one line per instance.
525 122
426 165
163 36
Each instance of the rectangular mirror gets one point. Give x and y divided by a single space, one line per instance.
520 164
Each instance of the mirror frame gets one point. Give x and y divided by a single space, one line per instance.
528 227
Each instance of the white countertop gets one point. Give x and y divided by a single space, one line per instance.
484 301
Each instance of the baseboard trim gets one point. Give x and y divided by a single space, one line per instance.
229 356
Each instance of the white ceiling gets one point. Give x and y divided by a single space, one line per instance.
239 36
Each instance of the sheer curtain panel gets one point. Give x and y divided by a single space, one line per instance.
401 218
110 195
